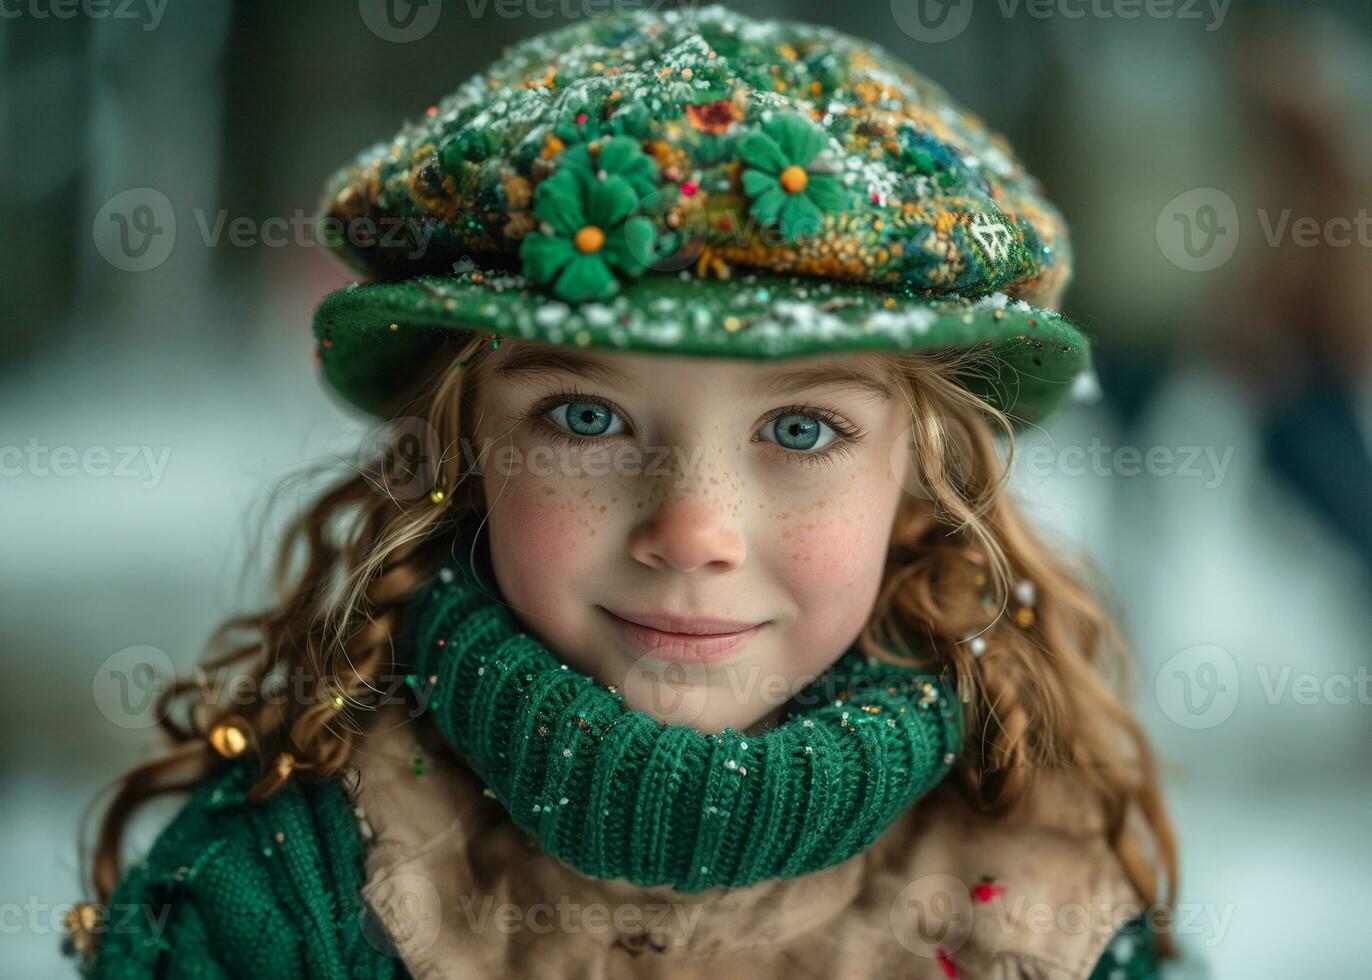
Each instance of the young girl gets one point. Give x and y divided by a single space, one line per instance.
682 627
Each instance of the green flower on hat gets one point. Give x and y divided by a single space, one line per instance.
783 178
595 233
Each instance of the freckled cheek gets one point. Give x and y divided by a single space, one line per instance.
540 541
833 586
553 539
527 520
833 561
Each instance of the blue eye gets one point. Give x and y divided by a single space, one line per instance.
588 419
798 432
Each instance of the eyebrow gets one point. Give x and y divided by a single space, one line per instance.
795 379
534 361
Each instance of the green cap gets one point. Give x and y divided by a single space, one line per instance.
697 182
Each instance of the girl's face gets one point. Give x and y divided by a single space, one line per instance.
707 535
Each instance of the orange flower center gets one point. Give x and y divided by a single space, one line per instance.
589 239
794 179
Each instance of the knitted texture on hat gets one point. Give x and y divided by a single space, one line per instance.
710 137
615 793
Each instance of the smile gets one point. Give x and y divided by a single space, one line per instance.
681 638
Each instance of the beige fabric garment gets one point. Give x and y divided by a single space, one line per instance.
461 891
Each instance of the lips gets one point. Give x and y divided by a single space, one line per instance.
687 639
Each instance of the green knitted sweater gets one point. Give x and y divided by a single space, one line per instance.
219 897
232 888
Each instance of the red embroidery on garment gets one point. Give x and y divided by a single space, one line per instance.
949 970
986 891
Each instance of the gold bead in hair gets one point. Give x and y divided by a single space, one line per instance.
1027 595
274 778
229 737
81 924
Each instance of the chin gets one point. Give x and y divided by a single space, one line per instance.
706 708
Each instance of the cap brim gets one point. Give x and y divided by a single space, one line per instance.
377 340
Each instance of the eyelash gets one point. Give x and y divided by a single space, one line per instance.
538 415
846 434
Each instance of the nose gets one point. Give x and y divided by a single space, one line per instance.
684 536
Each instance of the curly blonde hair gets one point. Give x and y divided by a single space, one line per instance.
1041 677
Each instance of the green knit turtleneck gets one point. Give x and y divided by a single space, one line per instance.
615 793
